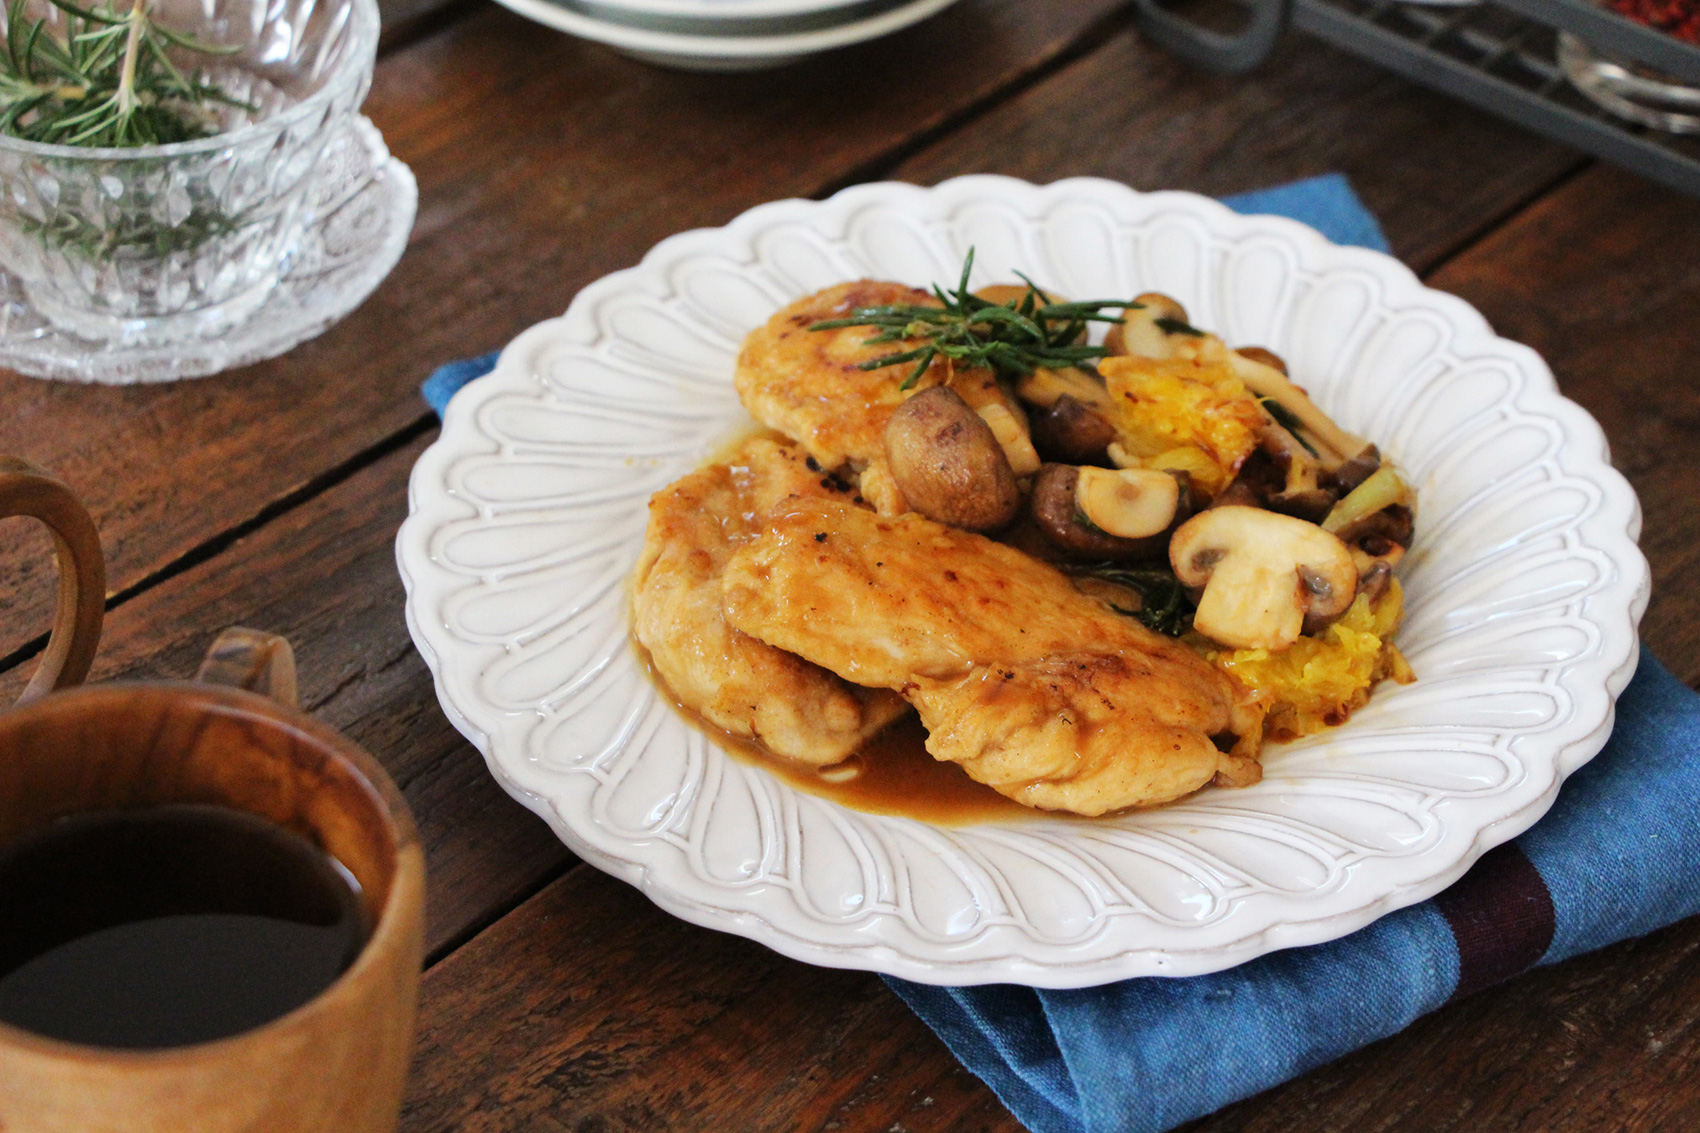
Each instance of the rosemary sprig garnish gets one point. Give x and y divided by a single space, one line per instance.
1164 603
1013 338
109 83
1175 326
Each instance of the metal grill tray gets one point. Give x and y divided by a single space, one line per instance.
1498 55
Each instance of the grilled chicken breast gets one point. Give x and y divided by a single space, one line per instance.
1036 689
796 709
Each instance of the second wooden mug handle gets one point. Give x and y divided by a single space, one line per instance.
254 660
27 490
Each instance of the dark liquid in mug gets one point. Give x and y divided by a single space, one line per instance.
168 926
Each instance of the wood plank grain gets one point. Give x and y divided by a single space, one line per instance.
323 575
620 1018
596 1011
544 162
1434 171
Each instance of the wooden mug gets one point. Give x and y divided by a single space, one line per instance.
336 1063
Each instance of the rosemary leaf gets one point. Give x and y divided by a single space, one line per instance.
1175 326
1028 333
1164 604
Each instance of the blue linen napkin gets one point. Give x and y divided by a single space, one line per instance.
1616 857
1326 203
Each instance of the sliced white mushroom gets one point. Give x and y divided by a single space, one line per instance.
1266 577
1012 437
1127 502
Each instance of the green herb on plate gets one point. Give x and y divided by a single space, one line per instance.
1029 333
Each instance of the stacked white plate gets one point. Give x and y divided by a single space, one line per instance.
727 35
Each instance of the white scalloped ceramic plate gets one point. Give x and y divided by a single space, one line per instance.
1525 590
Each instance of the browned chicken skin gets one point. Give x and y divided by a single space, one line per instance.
1034 688
798 710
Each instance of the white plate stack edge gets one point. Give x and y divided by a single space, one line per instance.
727 35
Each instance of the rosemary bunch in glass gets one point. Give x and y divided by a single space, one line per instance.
1015 338
109 82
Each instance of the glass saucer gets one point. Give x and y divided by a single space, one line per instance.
362 218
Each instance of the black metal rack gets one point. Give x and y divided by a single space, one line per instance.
1498 54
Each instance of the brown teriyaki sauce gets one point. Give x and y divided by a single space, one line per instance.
169 925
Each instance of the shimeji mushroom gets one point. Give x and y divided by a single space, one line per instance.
1376 519
1302 493
1011 434
1148 330
1335 446
1266 577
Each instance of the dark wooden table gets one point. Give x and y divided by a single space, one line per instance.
557 998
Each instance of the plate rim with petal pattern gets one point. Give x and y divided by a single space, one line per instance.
525 516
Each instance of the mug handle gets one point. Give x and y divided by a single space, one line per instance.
1228 54
254 660
27 490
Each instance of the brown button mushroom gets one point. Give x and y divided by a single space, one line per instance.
1258 478
1373 583
948 464
1072 432
1266 577
1056 513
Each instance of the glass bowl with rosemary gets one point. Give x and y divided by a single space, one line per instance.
157 156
